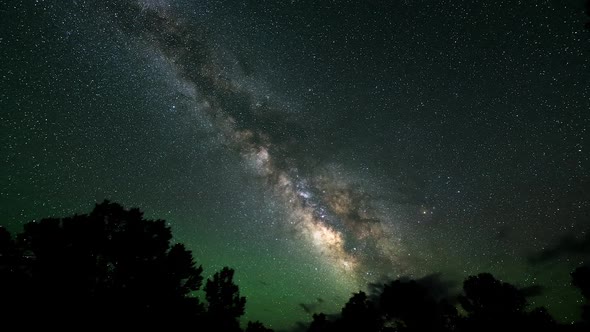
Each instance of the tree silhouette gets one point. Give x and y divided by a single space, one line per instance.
257 327
110 263
487 297
405 305
409 306
113 266
225 305
581 279
359 314
14 278
494 305
110 266
400 305
320 323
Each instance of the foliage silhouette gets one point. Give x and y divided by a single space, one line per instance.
486 297
225 303
13 277
408 305
401 305
320 323
256 327
493 305
581 279
111 265
359 313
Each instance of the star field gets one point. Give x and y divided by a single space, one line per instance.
314 147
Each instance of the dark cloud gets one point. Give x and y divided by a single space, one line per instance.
312 307
569 245
437 286
300 327
307 307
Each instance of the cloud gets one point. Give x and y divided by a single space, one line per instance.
438 287
312 307
569 245
307 307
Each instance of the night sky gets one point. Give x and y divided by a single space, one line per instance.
314 146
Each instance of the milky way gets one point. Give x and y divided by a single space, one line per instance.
327 211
